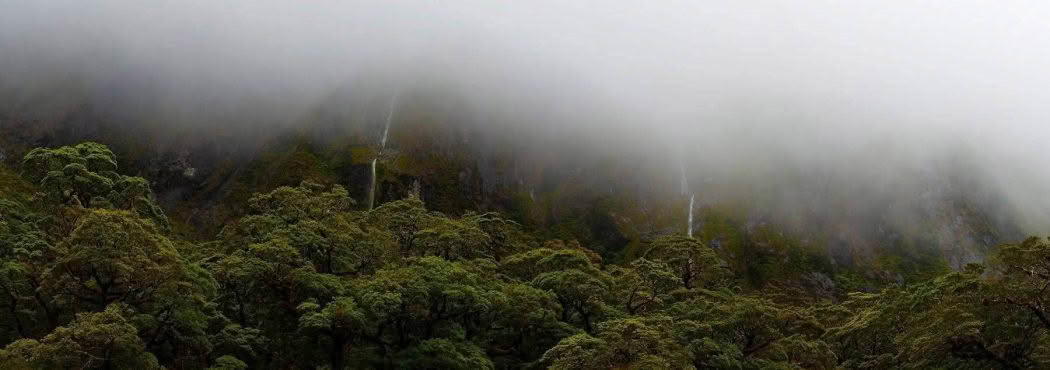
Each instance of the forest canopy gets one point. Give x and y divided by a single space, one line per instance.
92 275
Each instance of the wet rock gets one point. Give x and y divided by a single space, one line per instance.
821 283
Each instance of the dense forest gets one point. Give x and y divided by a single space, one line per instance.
587 185
93 274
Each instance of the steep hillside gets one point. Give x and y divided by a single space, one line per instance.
613 204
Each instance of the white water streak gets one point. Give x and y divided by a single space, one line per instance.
692 197
685 181
372 186
382 146
389 118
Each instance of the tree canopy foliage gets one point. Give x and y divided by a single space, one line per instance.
90 277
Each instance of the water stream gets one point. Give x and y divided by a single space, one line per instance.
382 146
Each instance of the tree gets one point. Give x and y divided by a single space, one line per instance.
25 252
958 320
428 298
339 321
304 279
530 264
579 351
442 353
229 363
403 219
176 324
86 175
113 256
695 264
291 252
454 239
100 340
1022 275
582 294
237 342
631 343
504 236
722 329
523 325
262 286
644 286
317 222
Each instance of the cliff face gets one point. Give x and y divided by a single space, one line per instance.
614 203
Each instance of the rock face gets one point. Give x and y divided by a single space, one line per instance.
820 283
559 187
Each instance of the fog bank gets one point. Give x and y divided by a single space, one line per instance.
879 100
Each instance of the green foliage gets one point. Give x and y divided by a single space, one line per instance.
694 263
228 363
633 343
100 340
726 330
957 320
645 286
112 256
89 278
442 353
403 219
86 175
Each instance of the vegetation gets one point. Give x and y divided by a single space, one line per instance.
91 276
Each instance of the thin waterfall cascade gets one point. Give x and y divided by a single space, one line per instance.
382 146
386 129
684 181
692 197
372 186
417 190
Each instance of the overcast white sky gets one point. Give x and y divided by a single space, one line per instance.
740 82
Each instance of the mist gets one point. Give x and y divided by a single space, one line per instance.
799 106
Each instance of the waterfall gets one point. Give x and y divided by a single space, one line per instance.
386 130
372 185
692 197
382 146
685 181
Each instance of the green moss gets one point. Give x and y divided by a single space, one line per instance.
12 186
361 155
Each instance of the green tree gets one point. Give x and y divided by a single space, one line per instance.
297 245
339 321
1021 276
318 223
454 239
644 286
505 236
403 219
523 325
694 263
442 353
25 252
113 256
631 343
581 293
86 175
958 320
428 298
99 340
722 329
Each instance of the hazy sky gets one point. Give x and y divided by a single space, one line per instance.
745 84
